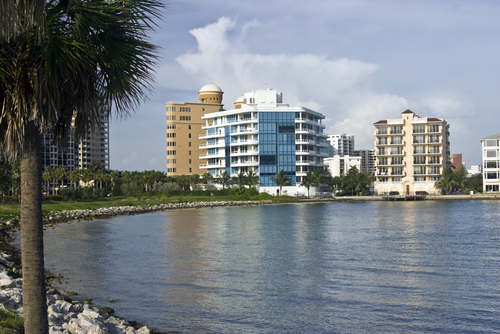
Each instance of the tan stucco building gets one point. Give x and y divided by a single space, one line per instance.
184 129
411 154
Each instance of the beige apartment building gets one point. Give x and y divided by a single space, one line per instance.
411 154
184 129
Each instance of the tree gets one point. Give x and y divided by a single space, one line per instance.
48 176
281 180
252 178
240 179
224 179
459 178
308 181
445 181
61 59
75 177
183 181
206 178
5 178
334 183
355 180
60 174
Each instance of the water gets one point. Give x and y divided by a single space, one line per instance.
374 267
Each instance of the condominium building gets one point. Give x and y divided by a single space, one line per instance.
411 154
341 145
367 160
339 166
264 135
95 147
184 126
491 163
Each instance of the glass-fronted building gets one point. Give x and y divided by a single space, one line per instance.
491 163
266 136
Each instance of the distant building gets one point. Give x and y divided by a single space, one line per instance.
367 160
264 135
475 169
341 145
184 127
456 161
95 147
339 166
491 163
411 153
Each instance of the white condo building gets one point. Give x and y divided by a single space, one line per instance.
491 163
339 166
265 135
341 145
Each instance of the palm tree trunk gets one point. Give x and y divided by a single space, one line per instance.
34 297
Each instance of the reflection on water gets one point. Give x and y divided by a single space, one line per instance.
412 267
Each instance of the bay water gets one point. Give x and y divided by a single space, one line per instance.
370 267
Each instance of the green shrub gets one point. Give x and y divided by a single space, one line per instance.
394 193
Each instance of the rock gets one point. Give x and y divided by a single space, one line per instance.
143 330
107 310
6 283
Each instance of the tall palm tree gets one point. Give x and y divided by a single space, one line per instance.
445 181
252 178
224 179
60 174
75 177
240 179
48 176
61 59
281 180
206 178
308 181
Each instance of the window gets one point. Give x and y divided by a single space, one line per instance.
382 141
397 171
419 179
397 129
171 170
491 164
397 140
383 171
185 109
435 170
171 161
170 135
396 179
382 161
492 187
383 179
184 118
190 170
170 118
419 129
491 142
189 135
189 126
434 149
434 160
418 170
170 108
382 130
190 161
419 139
170 143
189 143
171 152
434 139
397 150
491 153
397 161
419 149
189 152
382 150
170 126
434 128
491 175
419 160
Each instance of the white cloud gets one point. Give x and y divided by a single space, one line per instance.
339 88
130 161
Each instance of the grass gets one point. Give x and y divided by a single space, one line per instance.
10 322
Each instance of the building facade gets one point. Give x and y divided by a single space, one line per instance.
411 154
95 147
264 135
339 166
367 160
184 127
491 163
341 145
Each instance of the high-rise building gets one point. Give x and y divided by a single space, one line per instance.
339 166
95 147
184 129
491 163
265 135
367 160
341 145
411 154
456 161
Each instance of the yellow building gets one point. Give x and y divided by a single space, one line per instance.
184 129
411 154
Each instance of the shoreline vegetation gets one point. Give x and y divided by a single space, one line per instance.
65 309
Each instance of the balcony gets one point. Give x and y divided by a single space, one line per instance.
305 152
216 145
245 142
219 164
305 162
207 136
209 156
245 163
244 132
244 152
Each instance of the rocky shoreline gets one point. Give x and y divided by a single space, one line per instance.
66 315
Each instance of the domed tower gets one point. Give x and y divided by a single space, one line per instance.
239 102
210 94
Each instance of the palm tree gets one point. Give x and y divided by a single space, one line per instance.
206 178
60 60
240 179
183 181
75 177
334 183
224 179
280 179
308 181
252 178
60 174
48 176
445 181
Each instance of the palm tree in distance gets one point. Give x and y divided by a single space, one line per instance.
281 180
224 179
240 179
252 178
61 59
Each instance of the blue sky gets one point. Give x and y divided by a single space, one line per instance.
355 61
